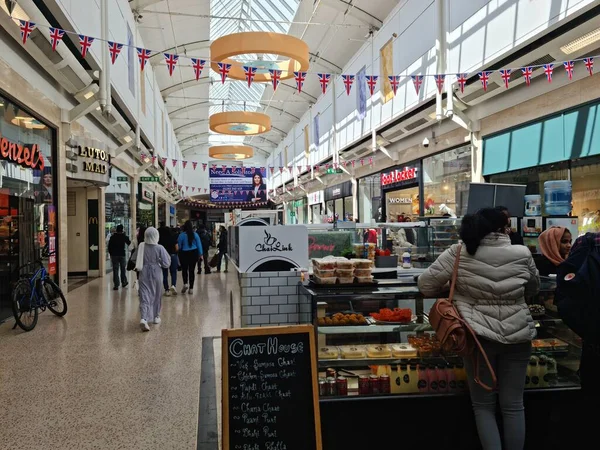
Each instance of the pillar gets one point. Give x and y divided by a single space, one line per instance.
133 182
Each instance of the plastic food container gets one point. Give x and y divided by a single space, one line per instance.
362 272
346 280
331 280
379 351
364 279
404 351
344 273
362 263
344 264
329 353
324 264
324 273
353 352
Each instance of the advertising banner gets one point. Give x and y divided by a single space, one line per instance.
238 184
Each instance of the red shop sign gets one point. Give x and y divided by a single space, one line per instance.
28 155
408 173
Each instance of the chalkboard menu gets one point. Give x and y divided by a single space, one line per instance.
270 397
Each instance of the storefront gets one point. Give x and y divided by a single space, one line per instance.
145 206
117 200
400 189
315 206
297 211
28 195
562 147
338 202
369 199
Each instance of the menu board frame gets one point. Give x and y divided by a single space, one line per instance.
269 332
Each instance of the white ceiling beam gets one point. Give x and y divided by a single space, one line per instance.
347 7
189 125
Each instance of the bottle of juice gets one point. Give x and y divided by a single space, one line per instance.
423 383
413 385
451 375
543 373
461 377
442 378
404 379
534 378
396 381
552 372
432 378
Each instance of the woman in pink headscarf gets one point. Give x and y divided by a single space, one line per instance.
555 244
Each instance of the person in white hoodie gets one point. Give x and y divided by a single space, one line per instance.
494 278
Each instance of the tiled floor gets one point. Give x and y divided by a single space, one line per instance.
92 380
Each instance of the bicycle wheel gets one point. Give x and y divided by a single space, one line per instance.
54 297
23 306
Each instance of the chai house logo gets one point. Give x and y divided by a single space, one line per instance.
271 244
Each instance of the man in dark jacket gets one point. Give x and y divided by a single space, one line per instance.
206 241
116 249
222 246
168 240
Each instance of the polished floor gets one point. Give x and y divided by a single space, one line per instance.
93 380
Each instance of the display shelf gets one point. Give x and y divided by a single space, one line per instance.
375 328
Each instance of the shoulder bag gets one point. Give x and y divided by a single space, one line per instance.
454 333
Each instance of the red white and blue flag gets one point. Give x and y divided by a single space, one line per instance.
224 69
439 81
198 65
461 79
548 69
348 80
505 74
56 35
417 81
171 61
26 28
394 82
174 162
250 72
299 77
527 73
485 78
143 56
324 79
114 49
275 77
164 161
589 64
85 42
569 67
371 82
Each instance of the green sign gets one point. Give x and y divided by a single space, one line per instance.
292 214
122 179
149 179
332 171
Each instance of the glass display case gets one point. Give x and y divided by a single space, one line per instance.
445 233
365 350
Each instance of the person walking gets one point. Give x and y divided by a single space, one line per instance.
150 260
168 240
494 278
139 238
190 252
222 247
206 241
116 249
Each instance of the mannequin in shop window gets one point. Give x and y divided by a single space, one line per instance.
446 211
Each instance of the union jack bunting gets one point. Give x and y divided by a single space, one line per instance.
26 28
153 159
198 65
164 161
143 56
348 80
461 79
371 82
439 81
224 71
324 80
485 78
224 167
417 81
114 49
394 82
250 72
548 69
171 61
214 167
589 64
275 77
174 162
184 164
85 43
353 163
194 165
299 169
505 74
204 166
56 35
272 170
299 77
569 67
527 73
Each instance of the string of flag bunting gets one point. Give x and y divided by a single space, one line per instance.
198 64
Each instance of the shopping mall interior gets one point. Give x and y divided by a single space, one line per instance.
304 162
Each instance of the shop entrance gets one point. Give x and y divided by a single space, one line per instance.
402 204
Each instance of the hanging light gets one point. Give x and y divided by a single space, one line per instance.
230 152
240 123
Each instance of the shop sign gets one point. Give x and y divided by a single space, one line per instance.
315 198
271 246
98 157
399 176
400 200
148 195
339 191
149 179
25 155
172 210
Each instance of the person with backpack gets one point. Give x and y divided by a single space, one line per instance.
206 240
190 252
494 278
116 249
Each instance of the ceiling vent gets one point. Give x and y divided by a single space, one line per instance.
546 59
492 86
416 124
395 135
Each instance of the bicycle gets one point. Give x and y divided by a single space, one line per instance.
33 293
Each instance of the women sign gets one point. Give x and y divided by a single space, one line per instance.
238 184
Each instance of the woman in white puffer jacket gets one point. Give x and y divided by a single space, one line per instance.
494 278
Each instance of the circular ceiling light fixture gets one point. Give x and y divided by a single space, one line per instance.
257 43
240 123
231 152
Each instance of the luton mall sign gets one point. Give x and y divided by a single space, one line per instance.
89 161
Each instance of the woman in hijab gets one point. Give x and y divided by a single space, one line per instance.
555 244
150 261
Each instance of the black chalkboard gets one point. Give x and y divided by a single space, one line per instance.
270 397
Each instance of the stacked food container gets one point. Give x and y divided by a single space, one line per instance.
332 270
